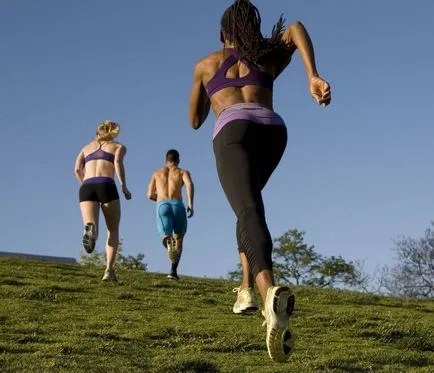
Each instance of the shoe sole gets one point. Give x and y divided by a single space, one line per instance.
170 277
88 240
279 340
110 278
246 311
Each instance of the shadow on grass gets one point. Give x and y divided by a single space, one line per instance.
33 338
190 366
174 337
49 293
108 336
408 339
15 350
127 296
12 282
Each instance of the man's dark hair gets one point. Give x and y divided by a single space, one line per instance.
241 23
172 155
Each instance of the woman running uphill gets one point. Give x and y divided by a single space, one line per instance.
95 167
250 138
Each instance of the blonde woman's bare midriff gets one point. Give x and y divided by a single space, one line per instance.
168 184
100 167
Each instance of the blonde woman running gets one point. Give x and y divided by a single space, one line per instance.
95 167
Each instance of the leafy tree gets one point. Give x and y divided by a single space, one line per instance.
333 271
294 259
236 275
297 262
93 259
133 262
412 275
129 262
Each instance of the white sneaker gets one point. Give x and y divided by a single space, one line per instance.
109 275
246 301
278 308
171 249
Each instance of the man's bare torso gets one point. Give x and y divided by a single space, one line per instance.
169 183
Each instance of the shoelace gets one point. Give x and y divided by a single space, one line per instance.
264 323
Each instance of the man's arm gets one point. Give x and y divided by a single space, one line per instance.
188 182
78 168
199 101
152 191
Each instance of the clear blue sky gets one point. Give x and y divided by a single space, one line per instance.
354 176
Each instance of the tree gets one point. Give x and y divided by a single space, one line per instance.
293 258
235 275
93 259
129 262
413 273
296 262
333 271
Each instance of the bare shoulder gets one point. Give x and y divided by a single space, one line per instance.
209 62
160 171
119 146
89 147
185 172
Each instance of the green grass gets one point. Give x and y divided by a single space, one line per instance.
62 318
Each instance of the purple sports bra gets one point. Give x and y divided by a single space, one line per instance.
254 77
99 154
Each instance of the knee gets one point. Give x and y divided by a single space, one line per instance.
113 234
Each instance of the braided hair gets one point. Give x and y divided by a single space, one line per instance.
241 24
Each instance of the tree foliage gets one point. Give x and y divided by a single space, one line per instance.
235 275
294 261
412 274
129 262
297 262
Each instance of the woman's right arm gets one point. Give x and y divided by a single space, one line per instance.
297 35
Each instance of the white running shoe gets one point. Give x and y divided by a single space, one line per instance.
173 276
173 253
246 301
109 275
278 308
171 249
89 236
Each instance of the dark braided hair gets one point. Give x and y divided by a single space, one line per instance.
241 24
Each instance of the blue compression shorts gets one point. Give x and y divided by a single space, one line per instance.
171 217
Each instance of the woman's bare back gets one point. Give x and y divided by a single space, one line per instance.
100 167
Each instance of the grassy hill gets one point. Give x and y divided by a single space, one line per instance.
62 318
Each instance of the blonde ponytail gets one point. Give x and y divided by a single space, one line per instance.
107 130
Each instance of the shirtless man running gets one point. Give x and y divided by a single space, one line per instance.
165 188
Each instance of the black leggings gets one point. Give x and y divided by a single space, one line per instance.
246 155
